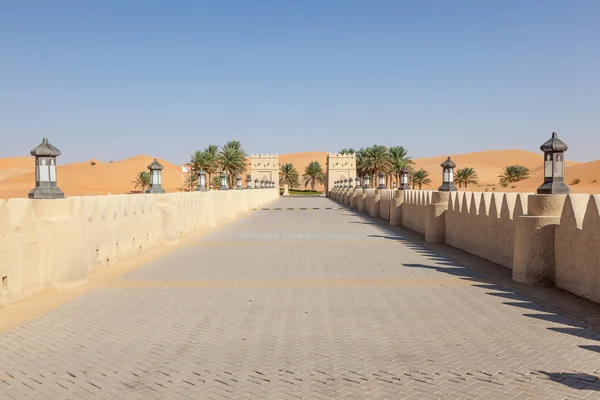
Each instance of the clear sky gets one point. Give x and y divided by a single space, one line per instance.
112 79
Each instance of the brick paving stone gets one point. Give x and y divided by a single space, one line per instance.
301 304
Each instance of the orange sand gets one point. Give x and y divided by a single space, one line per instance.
17 173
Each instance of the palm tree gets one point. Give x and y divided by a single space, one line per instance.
288 175
347 151
142 181
206 160
232 160
420 178
399 160
513 173
373 160
313 174
216 182
466 176
191 180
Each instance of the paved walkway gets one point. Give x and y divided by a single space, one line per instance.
301 304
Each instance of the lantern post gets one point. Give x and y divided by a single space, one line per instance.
155 178
201 181
448 176
404 179
554 167
381 181
45 172
224 185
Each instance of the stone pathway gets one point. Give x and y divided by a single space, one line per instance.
294 304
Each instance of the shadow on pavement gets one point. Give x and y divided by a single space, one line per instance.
574 380
581 317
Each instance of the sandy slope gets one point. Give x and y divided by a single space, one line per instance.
301 161
17 173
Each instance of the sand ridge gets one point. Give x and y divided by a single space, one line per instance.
17 175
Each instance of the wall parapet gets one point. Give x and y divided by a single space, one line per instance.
54 243
504 227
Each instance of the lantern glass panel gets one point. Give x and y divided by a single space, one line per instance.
558 165
548 165
159 177
52 170
43 170
450 175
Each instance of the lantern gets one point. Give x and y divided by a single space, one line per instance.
345 183
404 179
201 181
350 181
238 182
224 181
155 178
381 181
45 172
248 182
554 167
367 181
448 176
357 182
256 183
262 183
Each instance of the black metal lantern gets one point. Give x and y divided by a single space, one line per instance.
262 183
350 182
345 183
335 184
357 182
201 181
224 185
448 176
155 178
45 172
381 181
404 179
248 182
554 167
238 182
256 183
367 181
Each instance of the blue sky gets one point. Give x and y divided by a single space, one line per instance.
112 79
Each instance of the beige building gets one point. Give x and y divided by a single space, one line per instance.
340 167
265 167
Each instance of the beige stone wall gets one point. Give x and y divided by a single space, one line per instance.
414 208
265 166
544 239
483 223
54 243
577 246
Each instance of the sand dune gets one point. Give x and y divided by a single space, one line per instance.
17 173
301 161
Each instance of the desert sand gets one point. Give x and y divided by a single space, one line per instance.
17 176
